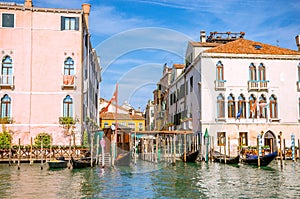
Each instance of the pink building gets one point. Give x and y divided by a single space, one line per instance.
49 71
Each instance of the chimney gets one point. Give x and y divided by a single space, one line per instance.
202 36
298 42
86 12
28 3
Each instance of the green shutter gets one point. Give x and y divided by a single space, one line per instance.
62 23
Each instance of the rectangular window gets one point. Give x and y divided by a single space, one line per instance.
8 20
221 138
69 23
191 84
243 139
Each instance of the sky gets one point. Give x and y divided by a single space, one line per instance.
135 38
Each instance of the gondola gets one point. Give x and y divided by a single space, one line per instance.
123 159
264 160
82 162
58 163
191 156
229 160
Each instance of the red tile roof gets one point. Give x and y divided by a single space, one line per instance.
121 116
244 46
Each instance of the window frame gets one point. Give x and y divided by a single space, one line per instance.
6 105
14 20
68 106
70 27
231 106
220 106
273 107
221 138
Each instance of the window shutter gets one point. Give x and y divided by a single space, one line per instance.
76 23
62 23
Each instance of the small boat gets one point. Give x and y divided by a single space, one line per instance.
191 156
264 160
123 159
229 160
58 163
82 162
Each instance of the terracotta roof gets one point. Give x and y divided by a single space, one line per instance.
244 46
121 116
178 66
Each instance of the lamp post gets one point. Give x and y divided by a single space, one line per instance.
112 139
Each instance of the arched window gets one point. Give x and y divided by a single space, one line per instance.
273 107
262 106
5 106
241 107
69 66
261 72
252 72
220 106
68 106
252 107
220 71
231 106
6 70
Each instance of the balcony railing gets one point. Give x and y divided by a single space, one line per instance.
255 85
6 120
7 81
69 81
220 85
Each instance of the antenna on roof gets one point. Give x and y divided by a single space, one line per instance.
277 42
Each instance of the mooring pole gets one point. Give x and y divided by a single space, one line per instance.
19 151
31 161
280 151
42 140
184 147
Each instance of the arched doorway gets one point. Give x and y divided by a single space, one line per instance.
270 140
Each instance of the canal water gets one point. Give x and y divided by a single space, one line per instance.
149 180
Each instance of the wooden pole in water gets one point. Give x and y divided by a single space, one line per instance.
9 154
225 151
42 140
284 149
280 151
98 152
19 153
184 148
157 147
135 146
31 161
92 149
258 157
298 149
174 149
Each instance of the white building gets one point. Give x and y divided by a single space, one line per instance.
237 89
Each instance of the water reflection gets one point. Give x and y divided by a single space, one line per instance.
148 180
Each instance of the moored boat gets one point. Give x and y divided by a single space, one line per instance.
123 159
264 160
191 156
229 160
82 162
58 163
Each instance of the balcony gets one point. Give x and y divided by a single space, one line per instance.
7 81
256 85
6 120
220 85
68 82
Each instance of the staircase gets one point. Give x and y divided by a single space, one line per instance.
107 159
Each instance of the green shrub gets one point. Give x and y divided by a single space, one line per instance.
45 137
5 140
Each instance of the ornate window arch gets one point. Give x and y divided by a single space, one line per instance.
69 67
273 107
231 106
5 106
252 72
262 106
252 106
261 72
68 106
220 71
241 107
220 106
7 70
